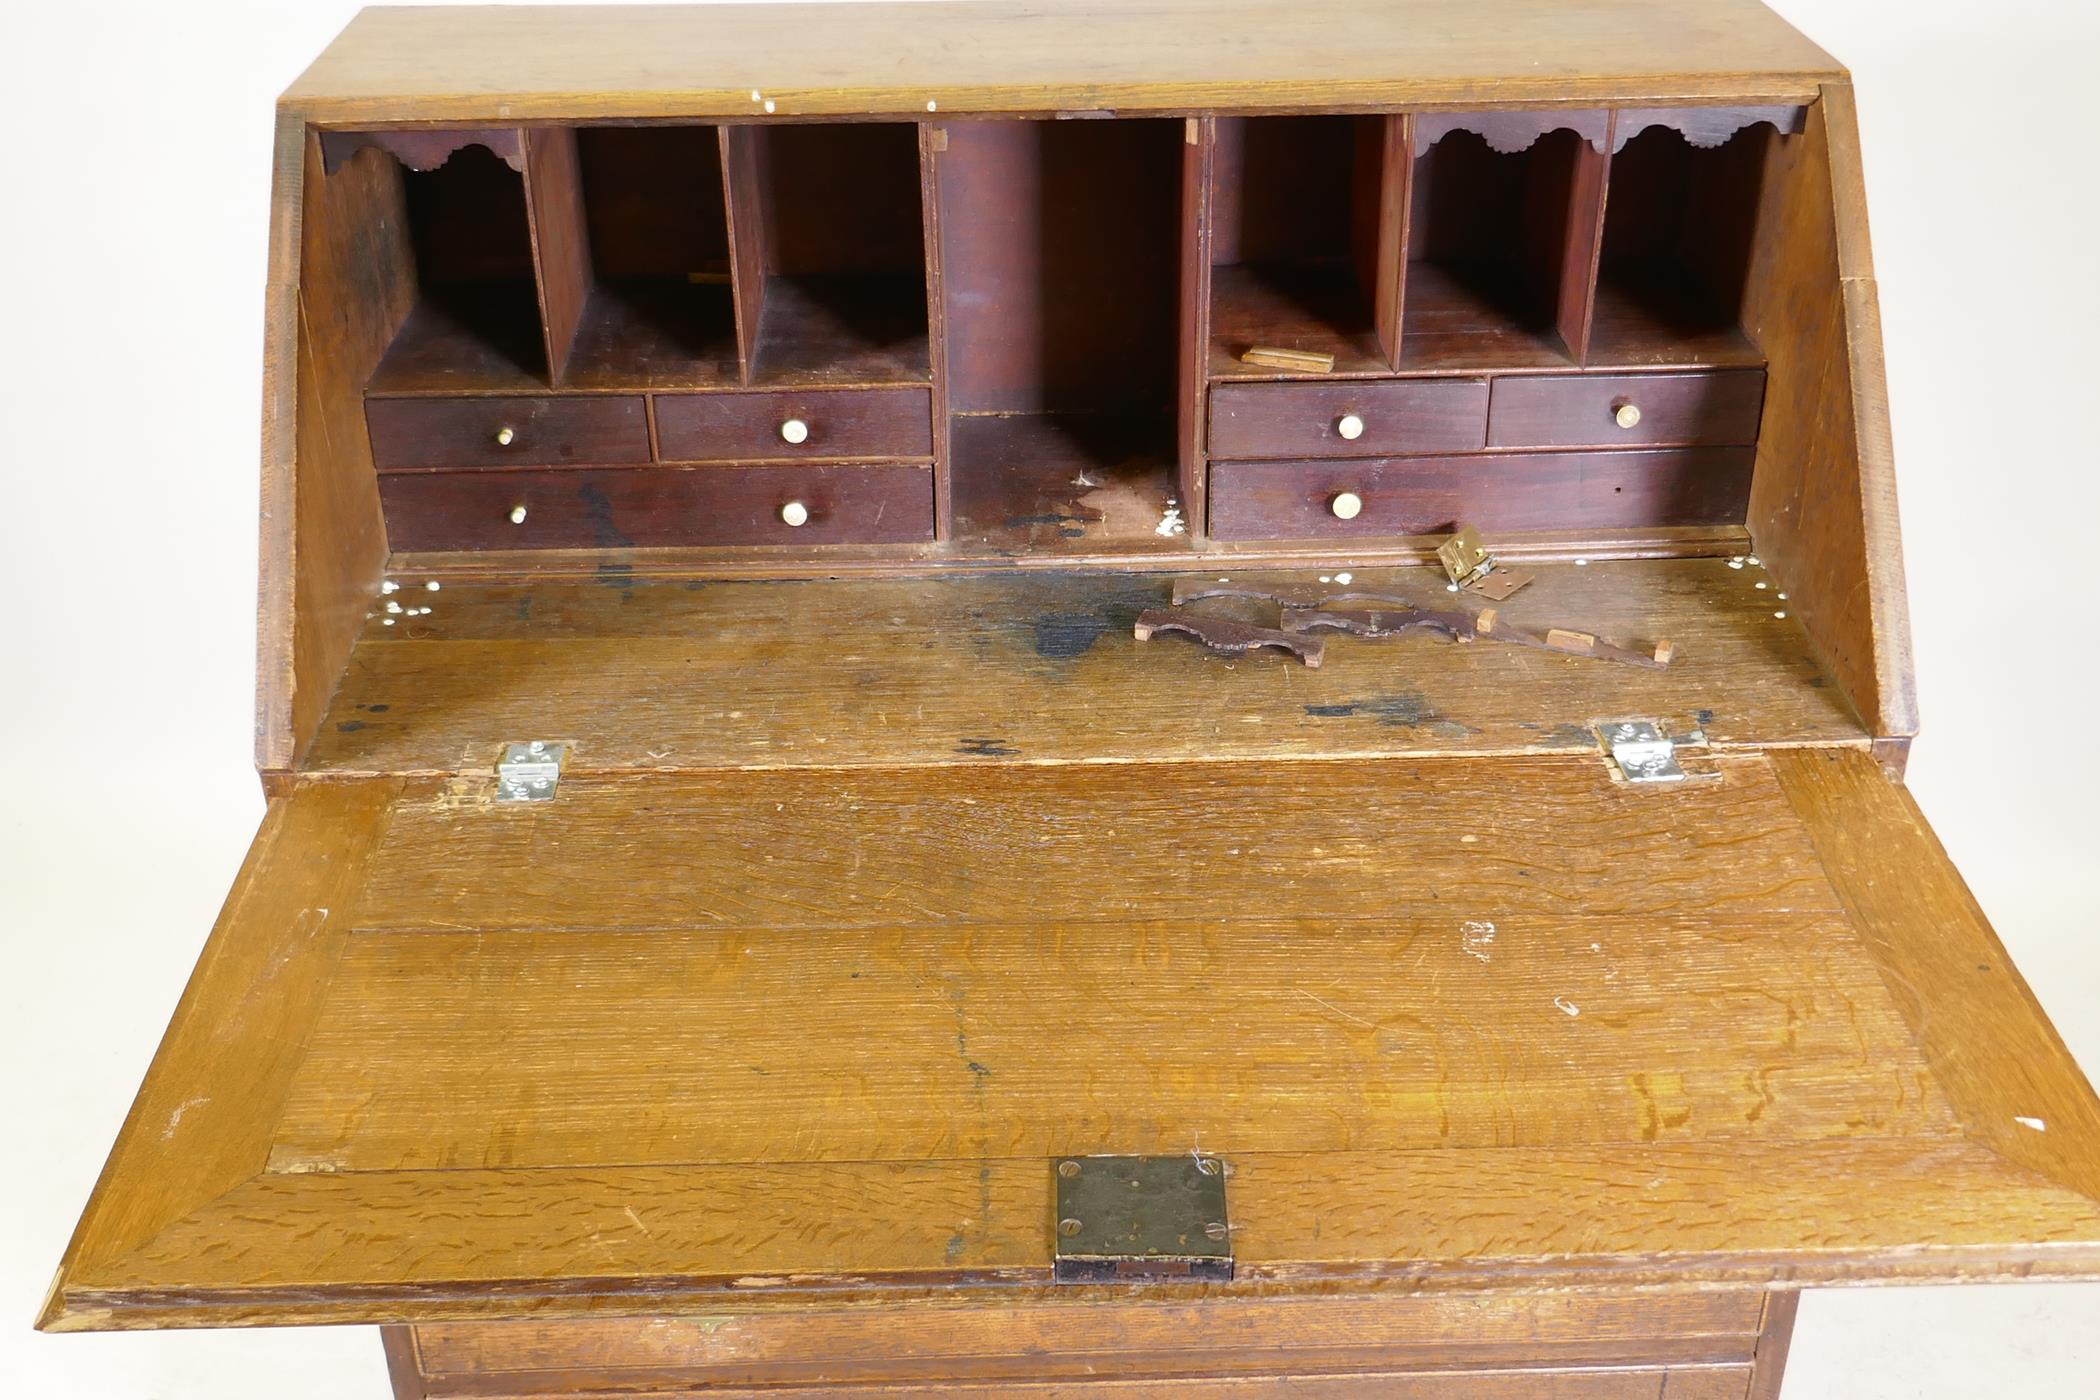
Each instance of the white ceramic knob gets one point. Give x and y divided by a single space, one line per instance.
517 515
795 431
795 513
1627 415
505 437
1350 426
1346 506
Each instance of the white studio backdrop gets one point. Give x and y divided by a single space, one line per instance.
134 175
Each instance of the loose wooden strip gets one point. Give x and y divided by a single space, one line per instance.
1490 625
1419 1029
363 1246
1226 635
1038 669
1278 358
202 1121
1094 844
2015 1085
1379 622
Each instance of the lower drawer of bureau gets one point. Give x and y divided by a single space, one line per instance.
1494 491
640 507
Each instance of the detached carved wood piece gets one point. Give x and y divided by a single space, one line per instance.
740 911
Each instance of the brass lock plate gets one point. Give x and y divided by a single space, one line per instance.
1141 1217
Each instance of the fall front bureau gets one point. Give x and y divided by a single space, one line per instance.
760 893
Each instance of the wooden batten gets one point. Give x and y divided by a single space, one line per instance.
744 195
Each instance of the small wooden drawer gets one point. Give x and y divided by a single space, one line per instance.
795 423
1386 417
622 508
1500 491
408 434
1626 410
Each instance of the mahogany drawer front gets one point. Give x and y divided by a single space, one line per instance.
1390 417
507 431
1497 492
1585 410
620 508
731 427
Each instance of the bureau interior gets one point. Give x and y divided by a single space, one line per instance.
973 342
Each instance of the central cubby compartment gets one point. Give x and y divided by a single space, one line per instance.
1060 256
830 248
1501 239
1295 249
1678 230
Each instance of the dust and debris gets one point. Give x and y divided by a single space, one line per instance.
2036 1124
175 1118
1567 1007
1477 936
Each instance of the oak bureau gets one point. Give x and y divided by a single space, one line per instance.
761 892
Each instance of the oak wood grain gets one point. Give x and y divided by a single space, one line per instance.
1040 669
1823 507
1002 56
199 1124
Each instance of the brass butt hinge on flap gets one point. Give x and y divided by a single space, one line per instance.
1125 1218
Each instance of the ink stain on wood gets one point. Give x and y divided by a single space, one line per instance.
985 748
1407 709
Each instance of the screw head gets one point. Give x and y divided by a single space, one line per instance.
1068 1227
1068 1170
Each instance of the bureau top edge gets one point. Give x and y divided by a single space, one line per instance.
1008 57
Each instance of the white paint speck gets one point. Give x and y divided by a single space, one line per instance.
1468 839
1780 614
1477 936
1582 563
386 622
932 106
1325 579
1345 579
392 606
389 586
769 104
754 94
1754 562
1171 524
1568 1006
1761 583
433 585
2035 1123
1451 588
1735 563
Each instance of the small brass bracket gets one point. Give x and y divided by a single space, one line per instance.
1121 1218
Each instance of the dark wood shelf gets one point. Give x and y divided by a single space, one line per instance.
466 339
1460 318
1293 307
1065 484
1653 317
867 329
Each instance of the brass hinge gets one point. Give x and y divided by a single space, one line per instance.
1121 1218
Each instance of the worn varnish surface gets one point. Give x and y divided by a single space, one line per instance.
426 65
665 675
1700 1024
